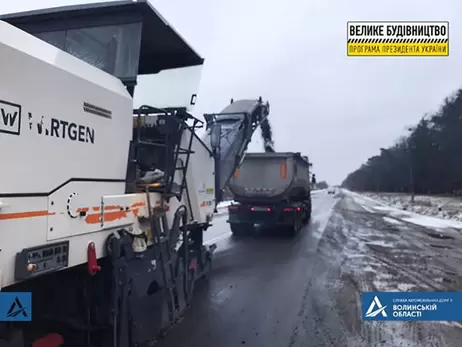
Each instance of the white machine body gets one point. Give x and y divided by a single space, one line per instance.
65 131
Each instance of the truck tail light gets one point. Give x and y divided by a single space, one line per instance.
284 170
236 172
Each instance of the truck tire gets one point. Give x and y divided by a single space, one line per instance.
235 229
241 229
307 214
295 227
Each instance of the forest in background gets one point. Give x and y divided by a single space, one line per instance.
426 161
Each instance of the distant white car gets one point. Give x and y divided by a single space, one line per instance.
331 190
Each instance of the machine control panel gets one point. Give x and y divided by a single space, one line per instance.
34 261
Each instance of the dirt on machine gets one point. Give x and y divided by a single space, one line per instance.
271 189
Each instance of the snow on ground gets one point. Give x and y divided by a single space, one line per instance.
427 211
318 191
392 221
442 207
323 208
433 222
225 204
222 207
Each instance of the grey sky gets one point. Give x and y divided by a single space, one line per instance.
336 110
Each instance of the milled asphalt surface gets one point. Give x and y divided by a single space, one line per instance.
273 291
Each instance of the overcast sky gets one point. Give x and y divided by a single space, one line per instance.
335 109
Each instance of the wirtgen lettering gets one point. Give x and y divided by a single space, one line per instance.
72 131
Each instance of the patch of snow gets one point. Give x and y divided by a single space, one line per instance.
385 208
382 286
318 191
384 276
361 199
405 287
322 211
392 221
368 209
432 222
222 207
354 256
426 211
368 268
447 208
225 204
450 324
381 243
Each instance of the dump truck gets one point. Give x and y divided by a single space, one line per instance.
270 190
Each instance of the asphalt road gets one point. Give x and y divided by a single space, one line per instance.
272 291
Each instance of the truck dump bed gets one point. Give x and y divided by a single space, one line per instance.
270 177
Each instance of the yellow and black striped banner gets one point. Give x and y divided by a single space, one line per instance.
398 39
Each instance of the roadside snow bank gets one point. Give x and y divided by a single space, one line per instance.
427 211
441 207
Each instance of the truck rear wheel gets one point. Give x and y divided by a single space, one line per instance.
295 227
241 229
307 216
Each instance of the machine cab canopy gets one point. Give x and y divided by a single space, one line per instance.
123 38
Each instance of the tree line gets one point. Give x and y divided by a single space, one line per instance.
426 161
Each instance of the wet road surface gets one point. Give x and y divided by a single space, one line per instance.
274 291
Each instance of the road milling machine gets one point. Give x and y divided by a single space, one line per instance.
107 180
